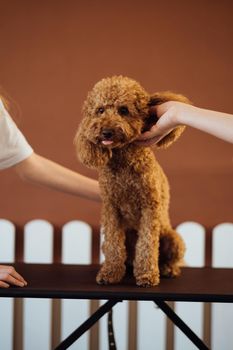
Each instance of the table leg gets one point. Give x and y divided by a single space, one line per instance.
111 337
86 325
181 325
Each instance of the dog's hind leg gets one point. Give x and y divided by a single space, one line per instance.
171 253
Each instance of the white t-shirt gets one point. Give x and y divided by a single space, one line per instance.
13 146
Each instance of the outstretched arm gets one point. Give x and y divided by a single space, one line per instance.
171 114
42 171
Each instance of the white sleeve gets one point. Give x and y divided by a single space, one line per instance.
13 146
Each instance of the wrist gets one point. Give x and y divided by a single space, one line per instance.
186 113
175 117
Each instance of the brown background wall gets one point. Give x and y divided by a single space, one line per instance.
52 52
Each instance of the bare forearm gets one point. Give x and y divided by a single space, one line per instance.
215 123
42 171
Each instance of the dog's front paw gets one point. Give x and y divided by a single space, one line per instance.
110 275
148 280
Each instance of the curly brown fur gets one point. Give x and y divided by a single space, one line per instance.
134 188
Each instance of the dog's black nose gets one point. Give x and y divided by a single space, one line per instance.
107 134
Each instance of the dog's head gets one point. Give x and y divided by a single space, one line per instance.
115 113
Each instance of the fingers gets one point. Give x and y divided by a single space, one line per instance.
16 275
11 280
163 127
4 285
151 137
155 134
9 276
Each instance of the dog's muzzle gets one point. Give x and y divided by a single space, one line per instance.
107 136
111 136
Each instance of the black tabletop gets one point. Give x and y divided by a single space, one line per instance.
78 282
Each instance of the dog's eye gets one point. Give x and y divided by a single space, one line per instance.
123 110
100 110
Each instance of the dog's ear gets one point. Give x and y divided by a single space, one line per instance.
159 98
90 154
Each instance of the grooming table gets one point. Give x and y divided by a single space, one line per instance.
78 282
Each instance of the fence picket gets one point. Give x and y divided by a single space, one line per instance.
38 240
222 314
76 249
151 326
194 237
7 245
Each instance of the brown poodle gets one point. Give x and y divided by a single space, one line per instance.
134 188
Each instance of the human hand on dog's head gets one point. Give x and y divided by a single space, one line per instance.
170 115
167 111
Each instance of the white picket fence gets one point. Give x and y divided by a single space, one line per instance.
150 323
